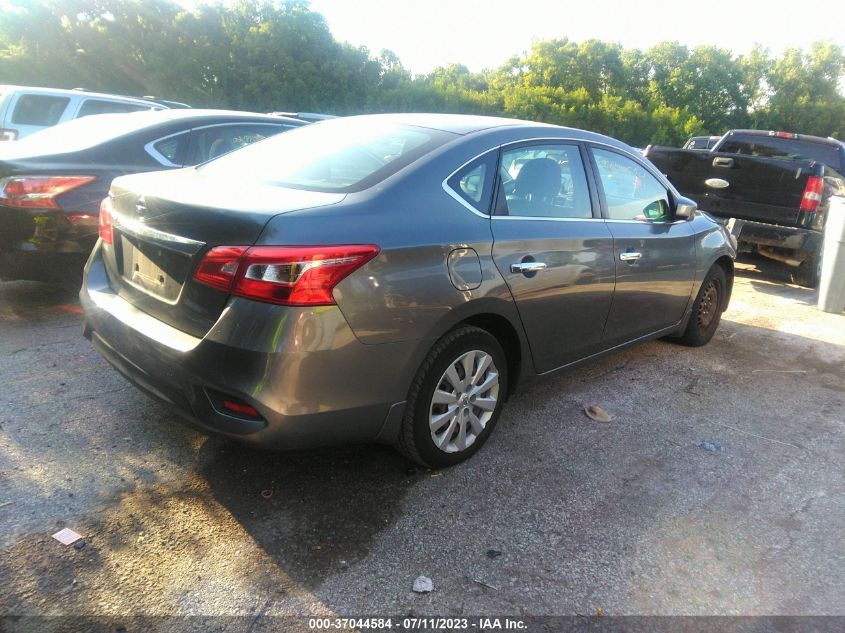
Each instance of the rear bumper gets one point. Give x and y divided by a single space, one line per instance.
302 369
47 230
774 236
43 245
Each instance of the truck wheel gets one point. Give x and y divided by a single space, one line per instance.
455 399
809 273
707 309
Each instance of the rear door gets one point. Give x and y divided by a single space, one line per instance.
654 256
553 249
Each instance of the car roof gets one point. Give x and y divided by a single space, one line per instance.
455 123
8 88
149 118
465 124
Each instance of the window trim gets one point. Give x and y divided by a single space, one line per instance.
588 167
670 191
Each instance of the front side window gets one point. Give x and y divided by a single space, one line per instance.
631 192
97 106
39 110
340 155
544 181
212 142
474 183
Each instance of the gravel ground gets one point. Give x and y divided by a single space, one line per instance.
717 488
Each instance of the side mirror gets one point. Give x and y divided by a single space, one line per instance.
685 209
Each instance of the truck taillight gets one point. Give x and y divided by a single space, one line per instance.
38 192
813 192
106 232
287 275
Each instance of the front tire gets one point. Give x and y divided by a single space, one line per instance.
455 399
707 309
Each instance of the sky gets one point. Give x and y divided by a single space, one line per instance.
485 33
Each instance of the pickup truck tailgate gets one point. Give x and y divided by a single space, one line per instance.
735 186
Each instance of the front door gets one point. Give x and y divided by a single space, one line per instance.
654 254
554 251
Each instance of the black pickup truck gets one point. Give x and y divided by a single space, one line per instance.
773 189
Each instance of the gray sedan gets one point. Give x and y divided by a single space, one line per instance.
390 278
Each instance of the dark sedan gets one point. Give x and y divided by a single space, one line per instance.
390 278
52 182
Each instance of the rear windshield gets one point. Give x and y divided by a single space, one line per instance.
340 155
39 109
784 148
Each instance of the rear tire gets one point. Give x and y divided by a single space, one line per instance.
455 399
707 309
809 273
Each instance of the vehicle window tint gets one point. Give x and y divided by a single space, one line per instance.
213 142
474 183
783 148
172 148
96 106
39 110
336 155
631 192
544 181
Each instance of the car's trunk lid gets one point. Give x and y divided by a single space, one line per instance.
163 224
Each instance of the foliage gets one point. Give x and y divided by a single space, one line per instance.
264 56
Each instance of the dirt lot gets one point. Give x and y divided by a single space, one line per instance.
717 488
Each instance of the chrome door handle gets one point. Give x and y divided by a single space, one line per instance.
527 267
630 257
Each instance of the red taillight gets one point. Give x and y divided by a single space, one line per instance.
219 267
38 192
812 194
106 233
287 275
783 134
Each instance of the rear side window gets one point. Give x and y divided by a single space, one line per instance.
630 191
39 109
473 184
172 149
96 106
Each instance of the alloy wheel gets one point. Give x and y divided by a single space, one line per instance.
463 401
